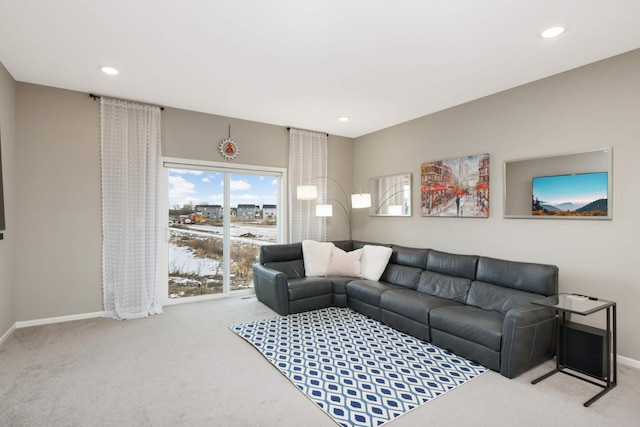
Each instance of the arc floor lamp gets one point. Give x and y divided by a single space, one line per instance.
356 201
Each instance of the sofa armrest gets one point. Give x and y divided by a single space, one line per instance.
528 339
271 288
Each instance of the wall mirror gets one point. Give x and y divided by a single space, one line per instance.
566 186
391 195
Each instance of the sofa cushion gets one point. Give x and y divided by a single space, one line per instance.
411 257
444 286
345 245
278 253
292 269
412 304
497 298
374 261
344 263
316 257
470 323
359 244
368 291
529 277
401 275
340 284
452 264
308 287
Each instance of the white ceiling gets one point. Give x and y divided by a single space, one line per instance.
304 63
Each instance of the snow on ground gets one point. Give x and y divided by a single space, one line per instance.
264 235
182 260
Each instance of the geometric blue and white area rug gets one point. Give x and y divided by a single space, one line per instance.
357 370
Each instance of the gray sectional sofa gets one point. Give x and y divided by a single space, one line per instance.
477 307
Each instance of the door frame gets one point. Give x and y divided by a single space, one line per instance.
164 235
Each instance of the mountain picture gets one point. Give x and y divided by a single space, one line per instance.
579 195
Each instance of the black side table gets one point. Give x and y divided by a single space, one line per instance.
583 306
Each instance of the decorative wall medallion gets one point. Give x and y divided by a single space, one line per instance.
228 147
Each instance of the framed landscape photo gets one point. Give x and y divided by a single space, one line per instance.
455 187
577 194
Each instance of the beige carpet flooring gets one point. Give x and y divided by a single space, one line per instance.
186 368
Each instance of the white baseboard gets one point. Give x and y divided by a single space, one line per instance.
629 362
47 321
7 334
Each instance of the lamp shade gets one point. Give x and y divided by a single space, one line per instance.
359 201
324 210
307 192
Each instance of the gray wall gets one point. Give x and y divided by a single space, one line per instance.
7 246
55 143
59 250
58 198
588 108
192 135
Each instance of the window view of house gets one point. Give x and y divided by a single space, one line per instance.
215 236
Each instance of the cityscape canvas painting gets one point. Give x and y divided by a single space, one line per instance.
573 195
455 187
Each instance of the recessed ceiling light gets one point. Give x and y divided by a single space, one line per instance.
109 70
553 31
343 118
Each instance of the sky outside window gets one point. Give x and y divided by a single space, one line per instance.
207 187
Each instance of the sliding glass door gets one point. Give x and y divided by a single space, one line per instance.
218 218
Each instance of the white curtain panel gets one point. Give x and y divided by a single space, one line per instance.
307 165
130 154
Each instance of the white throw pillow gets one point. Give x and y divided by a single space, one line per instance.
316 256
374 261
344 263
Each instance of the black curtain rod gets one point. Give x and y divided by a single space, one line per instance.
95 98
288 129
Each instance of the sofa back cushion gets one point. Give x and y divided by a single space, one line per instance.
273 253
345 245
528 277
498 298
293 269
411 257
401 275
285 258
359 244
444 286
452 264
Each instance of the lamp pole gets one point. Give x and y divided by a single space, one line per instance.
347 206
382 203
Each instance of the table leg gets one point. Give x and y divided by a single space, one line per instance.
615 348
612 365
